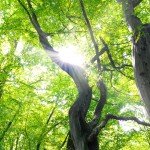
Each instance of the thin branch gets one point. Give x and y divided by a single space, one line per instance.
42 135
118 44
121 118
117 90
8 125
50 116
113 63
61 31
62 145
71 20
99 54
91 33
108 117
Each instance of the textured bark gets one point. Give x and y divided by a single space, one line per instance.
141 50
77 121
141 58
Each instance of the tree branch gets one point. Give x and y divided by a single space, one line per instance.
8 125
65 140
100 105
77 73
99 54
128 8
91 34
108 117
113 63
50 115
42 135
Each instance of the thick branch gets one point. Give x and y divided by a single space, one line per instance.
100 105
102 101
128 8
75 72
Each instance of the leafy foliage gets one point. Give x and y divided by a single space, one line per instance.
31 86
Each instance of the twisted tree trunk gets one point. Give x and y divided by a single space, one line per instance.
83 135
80 131
141 50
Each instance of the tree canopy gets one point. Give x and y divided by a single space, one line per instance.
67 76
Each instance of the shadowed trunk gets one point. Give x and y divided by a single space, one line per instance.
141 58
141 50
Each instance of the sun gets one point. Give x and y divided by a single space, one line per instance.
69 54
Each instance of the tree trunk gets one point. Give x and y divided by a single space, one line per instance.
80 130
90 145
141 50
141 61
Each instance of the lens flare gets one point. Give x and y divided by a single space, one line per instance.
70 55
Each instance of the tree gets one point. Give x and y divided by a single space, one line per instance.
141 48
84 130
83 135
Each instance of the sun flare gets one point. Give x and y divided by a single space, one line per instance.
70 55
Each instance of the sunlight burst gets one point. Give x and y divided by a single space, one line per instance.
70 55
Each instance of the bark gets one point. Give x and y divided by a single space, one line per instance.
141 58
141 50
